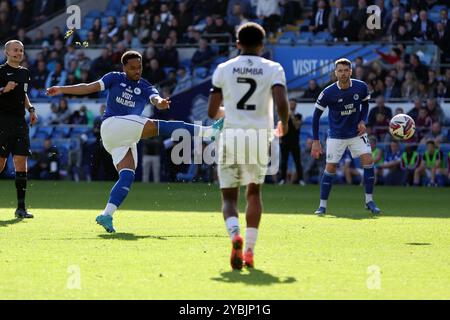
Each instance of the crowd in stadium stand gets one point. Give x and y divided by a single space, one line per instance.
160 26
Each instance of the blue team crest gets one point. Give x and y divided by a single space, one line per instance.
137 91
356 96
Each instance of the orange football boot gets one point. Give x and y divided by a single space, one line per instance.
236 252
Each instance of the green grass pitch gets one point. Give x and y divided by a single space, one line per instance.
172 244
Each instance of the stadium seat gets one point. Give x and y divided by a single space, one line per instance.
201 72
321 37
61 132
88 22
421 148
77 131
32 132
288 37
308 120
304 37
37 145
109 13
324 121
94 14
445 148
43 132
168 70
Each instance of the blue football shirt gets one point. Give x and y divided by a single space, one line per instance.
125 96
344 108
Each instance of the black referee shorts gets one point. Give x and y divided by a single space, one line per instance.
14 137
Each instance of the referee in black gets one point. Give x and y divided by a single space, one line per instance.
14 138
290 143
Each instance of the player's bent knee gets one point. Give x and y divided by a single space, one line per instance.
150 129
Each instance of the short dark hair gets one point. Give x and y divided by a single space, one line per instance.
251 35
431 142
130 55
343 61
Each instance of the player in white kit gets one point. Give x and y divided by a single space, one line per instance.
247 86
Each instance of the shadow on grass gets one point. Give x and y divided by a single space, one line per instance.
418 244
10 222
132 237
253 277
128 236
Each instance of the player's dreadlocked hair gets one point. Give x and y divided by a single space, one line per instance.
130 55
251 35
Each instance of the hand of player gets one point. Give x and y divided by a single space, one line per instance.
316 149
281 129
53 91
33 118
361 128
9 86
163 104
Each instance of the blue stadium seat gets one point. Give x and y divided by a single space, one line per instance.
445 148
321 37
115 5
77 131
43 132
105 20
304 136
32 132
288 37
168 70
37 145
94 14
421 148
61 132
109 13
308 120
304 37
434 16
88 22
324 121
201 72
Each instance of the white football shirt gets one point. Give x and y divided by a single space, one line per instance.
246 83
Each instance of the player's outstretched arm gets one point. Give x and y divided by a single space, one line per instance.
280 98
160 103
78 89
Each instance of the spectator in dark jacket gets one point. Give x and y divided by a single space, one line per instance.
313 90
203 55
319 18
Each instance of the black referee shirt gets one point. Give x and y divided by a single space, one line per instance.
12 103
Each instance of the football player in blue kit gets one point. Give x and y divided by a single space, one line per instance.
348 105
123 126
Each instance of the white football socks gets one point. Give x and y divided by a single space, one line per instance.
369 197
323 203
232 224
251 234
109 210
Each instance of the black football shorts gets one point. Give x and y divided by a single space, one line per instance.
14 137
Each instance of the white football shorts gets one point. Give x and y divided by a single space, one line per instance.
241 165
336 147
121 133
